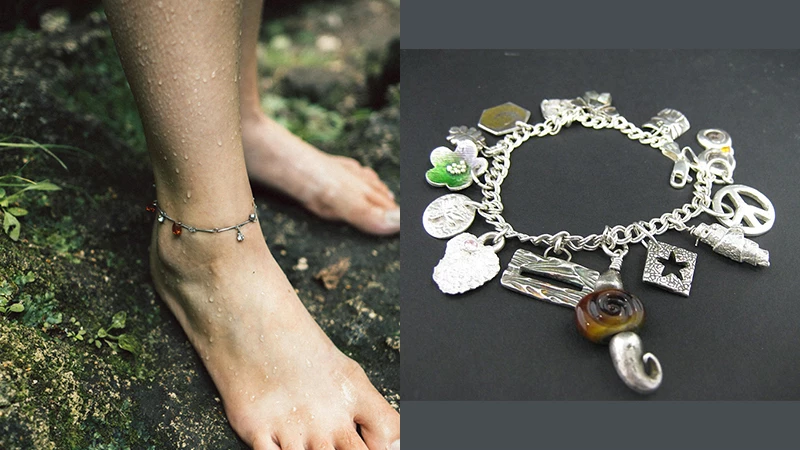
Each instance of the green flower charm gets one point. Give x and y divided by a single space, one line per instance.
454 168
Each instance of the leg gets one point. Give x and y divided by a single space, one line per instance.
333 187
282 381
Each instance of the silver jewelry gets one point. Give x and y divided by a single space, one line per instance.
594 296
178 226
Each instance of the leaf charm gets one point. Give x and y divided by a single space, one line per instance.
454 168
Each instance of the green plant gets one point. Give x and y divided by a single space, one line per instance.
122 341
10 201
7 291
11 225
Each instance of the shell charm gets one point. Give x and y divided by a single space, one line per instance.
467 264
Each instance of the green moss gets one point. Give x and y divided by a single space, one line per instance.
62 237
310 121
55 394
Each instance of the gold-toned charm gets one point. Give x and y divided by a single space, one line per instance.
502 119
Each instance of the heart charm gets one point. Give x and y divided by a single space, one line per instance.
467 264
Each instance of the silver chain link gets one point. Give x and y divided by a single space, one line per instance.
491 207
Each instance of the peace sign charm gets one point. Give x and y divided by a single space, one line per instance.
754 220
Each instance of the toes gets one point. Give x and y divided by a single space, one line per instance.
265 442
348 439
319 444
291 441
376 183
380 423
379 198
376 220
368 175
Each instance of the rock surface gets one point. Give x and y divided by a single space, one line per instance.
82 252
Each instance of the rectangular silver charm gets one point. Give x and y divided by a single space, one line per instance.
524 262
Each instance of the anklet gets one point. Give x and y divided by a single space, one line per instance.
604 312
177 226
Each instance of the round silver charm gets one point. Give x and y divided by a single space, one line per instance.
714 138
753 220
448 215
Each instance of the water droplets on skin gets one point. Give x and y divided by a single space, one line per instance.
159 82
185 157
213 74
252 398
219 142
210 299
177 170
261 338
189 194
175 77
219 309
211 339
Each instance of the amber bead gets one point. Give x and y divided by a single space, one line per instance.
602 314
176 229
150 208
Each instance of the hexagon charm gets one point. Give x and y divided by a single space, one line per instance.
502 119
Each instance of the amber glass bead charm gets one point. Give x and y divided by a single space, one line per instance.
604 313
176 228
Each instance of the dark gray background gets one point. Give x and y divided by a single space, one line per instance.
735 338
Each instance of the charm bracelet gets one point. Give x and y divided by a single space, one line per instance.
604 312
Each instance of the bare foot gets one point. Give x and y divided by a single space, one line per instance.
283 382
332 187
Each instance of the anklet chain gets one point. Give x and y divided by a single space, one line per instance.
178 226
